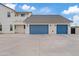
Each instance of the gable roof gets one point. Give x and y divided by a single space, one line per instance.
47 19
7 7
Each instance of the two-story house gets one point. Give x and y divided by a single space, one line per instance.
12 21
24 22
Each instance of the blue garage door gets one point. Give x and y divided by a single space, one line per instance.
38 29
62 29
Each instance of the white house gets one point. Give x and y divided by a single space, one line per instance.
24 22
11 21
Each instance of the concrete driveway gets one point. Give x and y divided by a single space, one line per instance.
39 45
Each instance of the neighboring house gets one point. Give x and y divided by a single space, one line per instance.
24 22
47 24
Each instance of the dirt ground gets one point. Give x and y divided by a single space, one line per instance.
39 45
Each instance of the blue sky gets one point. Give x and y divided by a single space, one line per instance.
68 10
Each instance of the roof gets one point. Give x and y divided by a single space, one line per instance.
23 12
7 7
13 9
47 19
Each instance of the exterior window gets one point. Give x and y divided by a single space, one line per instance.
24 27
16 14
11 28
0 27
22 14
8 14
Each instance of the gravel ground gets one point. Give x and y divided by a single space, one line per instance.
39 45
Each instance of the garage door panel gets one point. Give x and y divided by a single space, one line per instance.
38 29
62 29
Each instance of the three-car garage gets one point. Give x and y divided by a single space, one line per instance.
44 29
47 24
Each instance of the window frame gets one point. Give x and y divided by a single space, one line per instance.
22 14
8 14
24 27
1 28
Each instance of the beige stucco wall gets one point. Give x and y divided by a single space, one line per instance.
27 29
52 29
77 30
69 29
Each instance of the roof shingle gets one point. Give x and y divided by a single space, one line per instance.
47 19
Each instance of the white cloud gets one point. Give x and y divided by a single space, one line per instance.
76 19
11 5
33 8
45 10
72 10
27 7
70 19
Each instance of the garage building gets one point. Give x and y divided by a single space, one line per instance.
47 24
